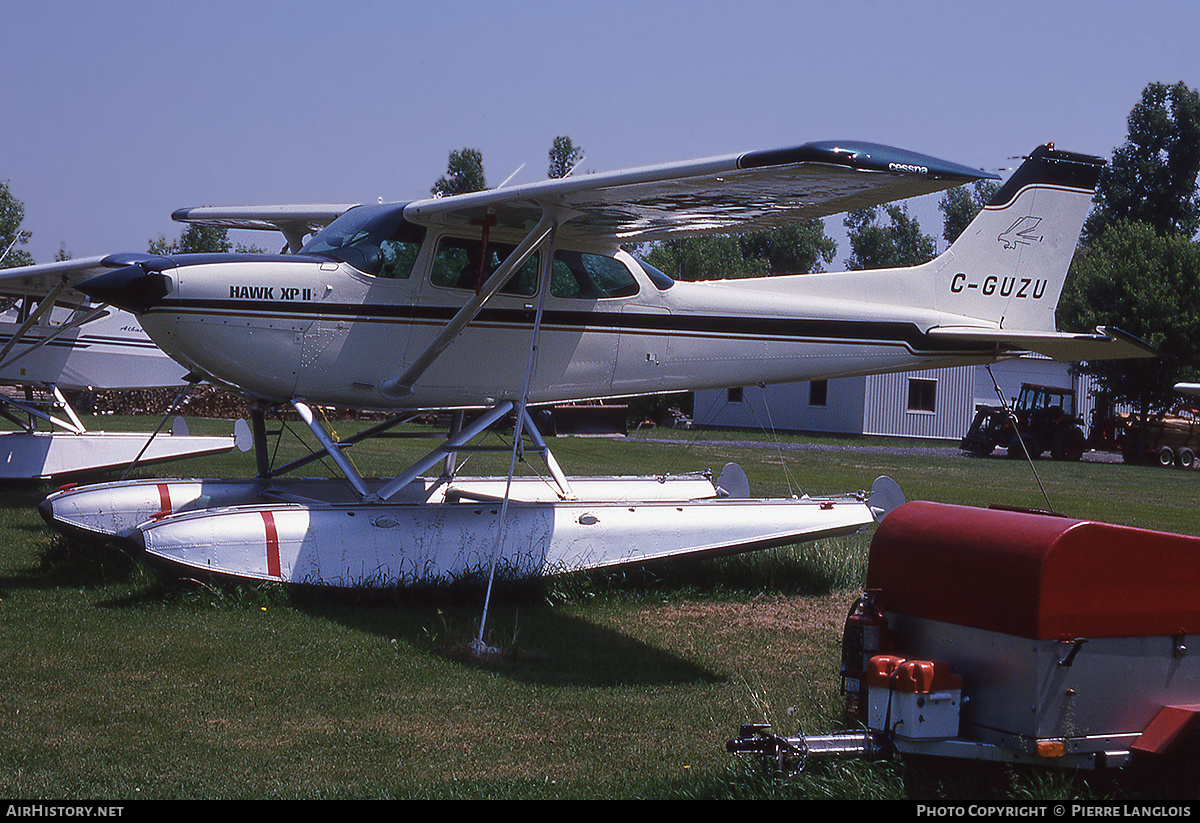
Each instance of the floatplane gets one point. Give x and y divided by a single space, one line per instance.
54 343
490 303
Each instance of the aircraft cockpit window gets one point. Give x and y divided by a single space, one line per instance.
399 252
457 266
661 280
590 277
373 239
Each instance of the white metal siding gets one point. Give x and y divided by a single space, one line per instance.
785 407
886 409
878 404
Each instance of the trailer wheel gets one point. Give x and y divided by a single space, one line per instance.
1186 458
1166 457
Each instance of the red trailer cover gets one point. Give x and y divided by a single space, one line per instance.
1034 575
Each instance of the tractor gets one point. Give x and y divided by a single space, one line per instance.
1041 416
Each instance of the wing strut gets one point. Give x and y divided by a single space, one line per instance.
33 410
46 304
98 312
402 385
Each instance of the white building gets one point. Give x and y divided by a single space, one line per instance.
935 403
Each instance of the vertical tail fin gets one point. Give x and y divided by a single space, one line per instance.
1009 265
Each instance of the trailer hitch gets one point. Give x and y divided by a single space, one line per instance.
791 754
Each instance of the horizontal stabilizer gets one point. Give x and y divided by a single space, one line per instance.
1107 343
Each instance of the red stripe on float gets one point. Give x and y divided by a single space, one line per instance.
164 500
272 544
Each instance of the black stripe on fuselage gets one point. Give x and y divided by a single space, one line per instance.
721 326
84 342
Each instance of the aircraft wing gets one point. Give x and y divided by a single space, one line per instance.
294 222
734 193
38 280
1108 343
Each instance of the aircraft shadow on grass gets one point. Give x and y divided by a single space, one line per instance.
550 648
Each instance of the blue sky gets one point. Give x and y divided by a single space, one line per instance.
113 114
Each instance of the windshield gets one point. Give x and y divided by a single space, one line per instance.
373 239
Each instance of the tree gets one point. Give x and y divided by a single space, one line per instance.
1152 178
12 213
464 173
876 246
195 239
704 257
1147 284
564 156
960 205
796 249
198 239
1137 267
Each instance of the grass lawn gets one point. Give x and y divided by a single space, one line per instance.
117 685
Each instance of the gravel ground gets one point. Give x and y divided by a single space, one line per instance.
868 448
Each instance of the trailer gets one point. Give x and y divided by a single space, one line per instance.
1169 439
1016 636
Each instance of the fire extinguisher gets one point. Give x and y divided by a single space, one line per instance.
864 636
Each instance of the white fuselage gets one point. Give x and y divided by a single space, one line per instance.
281 328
